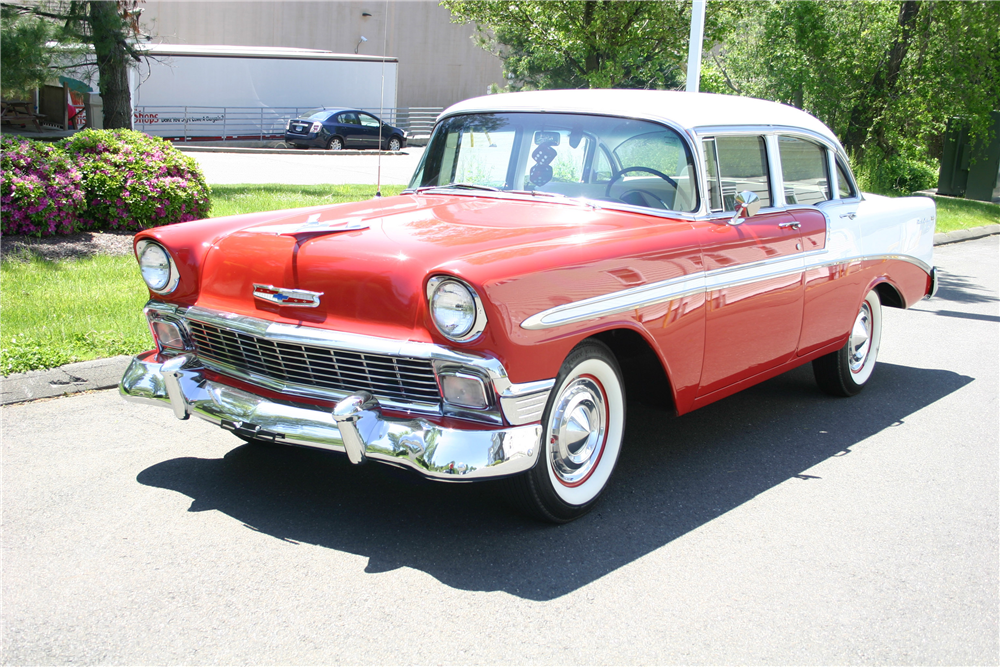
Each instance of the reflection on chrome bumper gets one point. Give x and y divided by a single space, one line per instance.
355 426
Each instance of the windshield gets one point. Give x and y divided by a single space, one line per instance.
317 114
618 160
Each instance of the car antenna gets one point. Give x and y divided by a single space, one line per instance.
381 102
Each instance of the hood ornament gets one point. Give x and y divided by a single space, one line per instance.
284 296
314 224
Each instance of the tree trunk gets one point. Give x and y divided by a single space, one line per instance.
112 64
881 88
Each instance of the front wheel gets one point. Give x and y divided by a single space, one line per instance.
393 144
847 371
583 423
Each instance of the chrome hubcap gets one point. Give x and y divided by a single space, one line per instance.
861 338
577 431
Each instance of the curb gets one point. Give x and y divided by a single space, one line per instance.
106 373
280 151
68 379
966 234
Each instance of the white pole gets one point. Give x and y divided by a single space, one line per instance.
694 45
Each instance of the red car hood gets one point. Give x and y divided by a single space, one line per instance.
371 260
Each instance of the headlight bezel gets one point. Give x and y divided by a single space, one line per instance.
478 324
173 276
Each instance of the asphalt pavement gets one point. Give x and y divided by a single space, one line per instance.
308 167
778 526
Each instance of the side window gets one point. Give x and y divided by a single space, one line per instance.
741 165
348 119
368 121
845 187
712 169
804 171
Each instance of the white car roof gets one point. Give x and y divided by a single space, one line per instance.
689 111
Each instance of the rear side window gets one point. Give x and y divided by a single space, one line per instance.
845 187
735 164
804 171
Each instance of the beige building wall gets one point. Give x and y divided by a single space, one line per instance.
439 63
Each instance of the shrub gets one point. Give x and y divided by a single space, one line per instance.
896 175
134 181
41 190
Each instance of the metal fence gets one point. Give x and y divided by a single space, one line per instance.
194 123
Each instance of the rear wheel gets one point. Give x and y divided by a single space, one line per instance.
583 424
335 144
847 371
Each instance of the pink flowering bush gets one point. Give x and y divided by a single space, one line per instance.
41 190
134 181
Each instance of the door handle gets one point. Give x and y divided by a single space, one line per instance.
849 215
789 225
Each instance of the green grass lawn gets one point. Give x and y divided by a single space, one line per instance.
953 214
54 313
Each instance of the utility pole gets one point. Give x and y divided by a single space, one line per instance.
694 45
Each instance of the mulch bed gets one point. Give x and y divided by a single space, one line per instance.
85 244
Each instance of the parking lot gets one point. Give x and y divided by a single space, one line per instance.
777 526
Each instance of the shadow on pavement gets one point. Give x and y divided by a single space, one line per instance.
961 289
675 475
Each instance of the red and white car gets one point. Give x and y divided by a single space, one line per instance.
552 248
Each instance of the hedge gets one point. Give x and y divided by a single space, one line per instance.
118 180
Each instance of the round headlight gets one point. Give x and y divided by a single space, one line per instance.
156 266
455 309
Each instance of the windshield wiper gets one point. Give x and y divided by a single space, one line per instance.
540 193
457 186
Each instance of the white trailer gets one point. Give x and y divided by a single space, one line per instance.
213 92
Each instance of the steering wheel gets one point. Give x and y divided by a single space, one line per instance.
645 196
647 170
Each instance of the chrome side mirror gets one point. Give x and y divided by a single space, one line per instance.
747 204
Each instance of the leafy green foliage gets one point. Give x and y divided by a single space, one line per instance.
896 175
885 76
24 58
134 181
572 44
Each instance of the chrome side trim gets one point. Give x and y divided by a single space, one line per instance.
649 295
356 426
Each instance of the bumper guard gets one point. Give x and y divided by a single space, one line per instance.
355 425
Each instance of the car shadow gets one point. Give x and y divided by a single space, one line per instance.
675 474
961 289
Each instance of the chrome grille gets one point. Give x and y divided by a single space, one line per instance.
314 366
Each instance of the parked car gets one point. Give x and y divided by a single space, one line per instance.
343 128
551 248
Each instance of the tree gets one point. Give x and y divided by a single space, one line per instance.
885 76
583 44
105 27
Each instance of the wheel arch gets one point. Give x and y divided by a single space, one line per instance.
888 294
644 372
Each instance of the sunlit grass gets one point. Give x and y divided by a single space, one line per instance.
236 199
57 312
953 214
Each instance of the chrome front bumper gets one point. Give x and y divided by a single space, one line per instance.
355 425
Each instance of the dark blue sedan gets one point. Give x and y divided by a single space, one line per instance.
342 128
